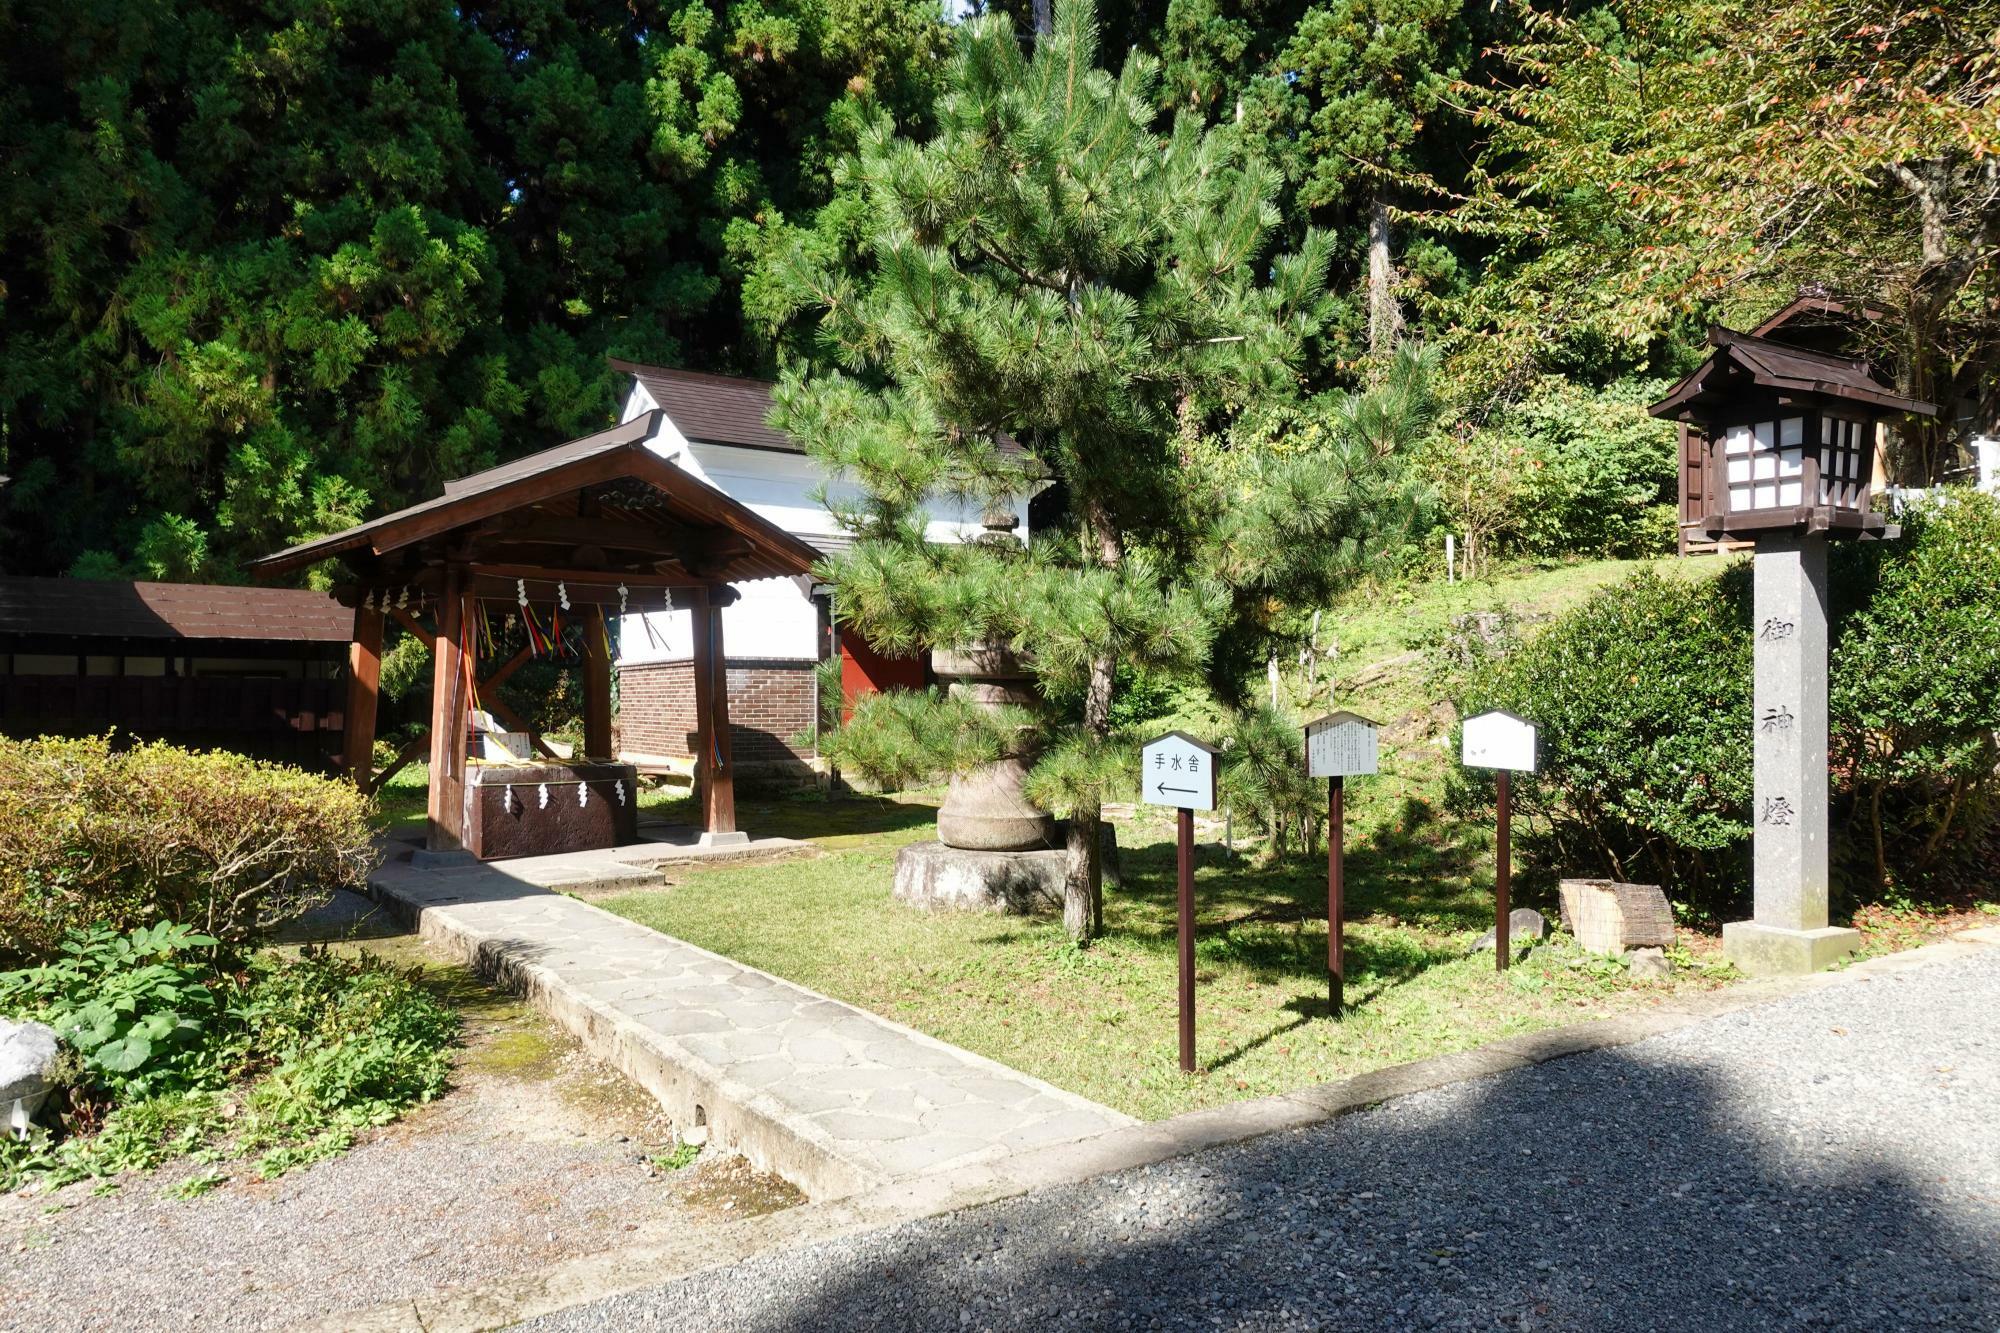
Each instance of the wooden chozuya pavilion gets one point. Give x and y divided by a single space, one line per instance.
602 523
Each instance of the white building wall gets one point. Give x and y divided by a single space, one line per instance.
773 619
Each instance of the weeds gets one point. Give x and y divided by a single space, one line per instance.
286 1059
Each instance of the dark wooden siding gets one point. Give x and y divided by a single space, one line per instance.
293 721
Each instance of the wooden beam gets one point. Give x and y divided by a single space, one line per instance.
364 688
448 719
715 774
414 626
599 578
506 669
547 529
596 686
404 757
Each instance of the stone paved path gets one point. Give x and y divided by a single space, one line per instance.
1825 1161
829 1096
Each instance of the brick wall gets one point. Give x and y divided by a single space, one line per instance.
656 709
770 703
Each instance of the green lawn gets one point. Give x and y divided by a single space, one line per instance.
1101 1022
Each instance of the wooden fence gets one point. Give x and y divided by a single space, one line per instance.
292 721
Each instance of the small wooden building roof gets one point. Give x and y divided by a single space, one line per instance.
604 504
48 608
727 409
713 409
1742 364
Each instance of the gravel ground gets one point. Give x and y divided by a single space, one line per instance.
537 1154
1830 1161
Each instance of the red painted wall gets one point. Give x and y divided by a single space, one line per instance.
864 671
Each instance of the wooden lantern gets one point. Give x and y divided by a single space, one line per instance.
1782 439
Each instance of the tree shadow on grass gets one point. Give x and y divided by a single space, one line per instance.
1416 871
810 816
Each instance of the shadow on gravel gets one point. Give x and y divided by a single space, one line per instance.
1601 1192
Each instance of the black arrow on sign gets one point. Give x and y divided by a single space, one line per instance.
1185 791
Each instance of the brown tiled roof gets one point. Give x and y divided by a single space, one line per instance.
725 409
1783 368
713 409
115 609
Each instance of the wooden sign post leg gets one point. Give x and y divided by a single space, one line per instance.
1503 876
1187 940
1336 851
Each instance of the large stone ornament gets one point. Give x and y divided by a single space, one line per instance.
28 1054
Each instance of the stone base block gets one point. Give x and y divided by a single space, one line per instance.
1773 951
953 879
733 838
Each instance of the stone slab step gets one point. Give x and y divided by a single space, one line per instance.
831 1097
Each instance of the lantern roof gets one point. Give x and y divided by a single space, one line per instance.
1742 363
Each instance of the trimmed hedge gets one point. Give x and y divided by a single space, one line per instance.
92 835
1643 696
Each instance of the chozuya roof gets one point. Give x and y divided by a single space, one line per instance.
121 609
637 501
1741 362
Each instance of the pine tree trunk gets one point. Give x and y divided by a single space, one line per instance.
1083 877
1385 321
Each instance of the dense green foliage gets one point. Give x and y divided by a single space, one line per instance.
136 1008
1643 696
267 268
1655 164
1564 470
182 1049
1916 697
92 836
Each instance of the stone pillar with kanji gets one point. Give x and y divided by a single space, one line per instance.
1788 930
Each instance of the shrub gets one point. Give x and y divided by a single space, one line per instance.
1915 697
92 835
1604 472
1643 696
1567 470
137 1009
285 1057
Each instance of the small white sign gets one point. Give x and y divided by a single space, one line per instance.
1178 770
1340 745
1499 739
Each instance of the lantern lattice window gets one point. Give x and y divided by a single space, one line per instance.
1766 464
1845 464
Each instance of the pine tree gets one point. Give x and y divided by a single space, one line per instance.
1051 266
268 267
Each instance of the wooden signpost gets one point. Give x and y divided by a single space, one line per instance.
1179 771
1338 746
1503 741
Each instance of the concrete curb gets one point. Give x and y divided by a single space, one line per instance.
647 1264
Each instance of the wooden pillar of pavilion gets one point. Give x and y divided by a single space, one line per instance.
597 686
715 776
364 685
449 720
